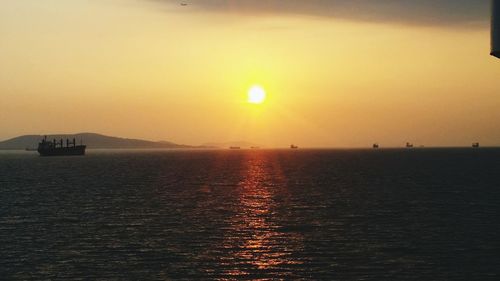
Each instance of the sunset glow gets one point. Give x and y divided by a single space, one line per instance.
127 68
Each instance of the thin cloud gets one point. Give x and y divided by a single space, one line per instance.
421 12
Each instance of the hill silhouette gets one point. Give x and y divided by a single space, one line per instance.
92 140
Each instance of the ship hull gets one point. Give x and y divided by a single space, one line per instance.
63 151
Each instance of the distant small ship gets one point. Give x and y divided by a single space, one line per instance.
234 147
293 146
375 145
409 145
475 145
56 148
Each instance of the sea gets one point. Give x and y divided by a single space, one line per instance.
351 214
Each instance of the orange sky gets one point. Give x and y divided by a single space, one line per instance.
160 71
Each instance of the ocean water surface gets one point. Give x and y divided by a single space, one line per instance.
423 214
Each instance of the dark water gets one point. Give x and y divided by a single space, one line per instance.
266 215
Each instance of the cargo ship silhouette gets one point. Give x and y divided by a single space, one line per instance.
56 148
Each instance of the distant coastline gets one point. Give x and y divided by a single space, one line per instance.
100 141
93 141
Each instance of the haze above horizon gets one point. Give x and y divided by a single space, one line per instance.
335 73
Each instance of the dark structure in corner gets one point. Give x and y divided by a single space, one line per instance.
495 28
56 148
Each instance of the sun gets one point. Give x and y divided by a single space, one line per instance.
256 95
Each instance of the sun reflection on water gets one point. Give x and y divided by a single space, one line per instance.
255 240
